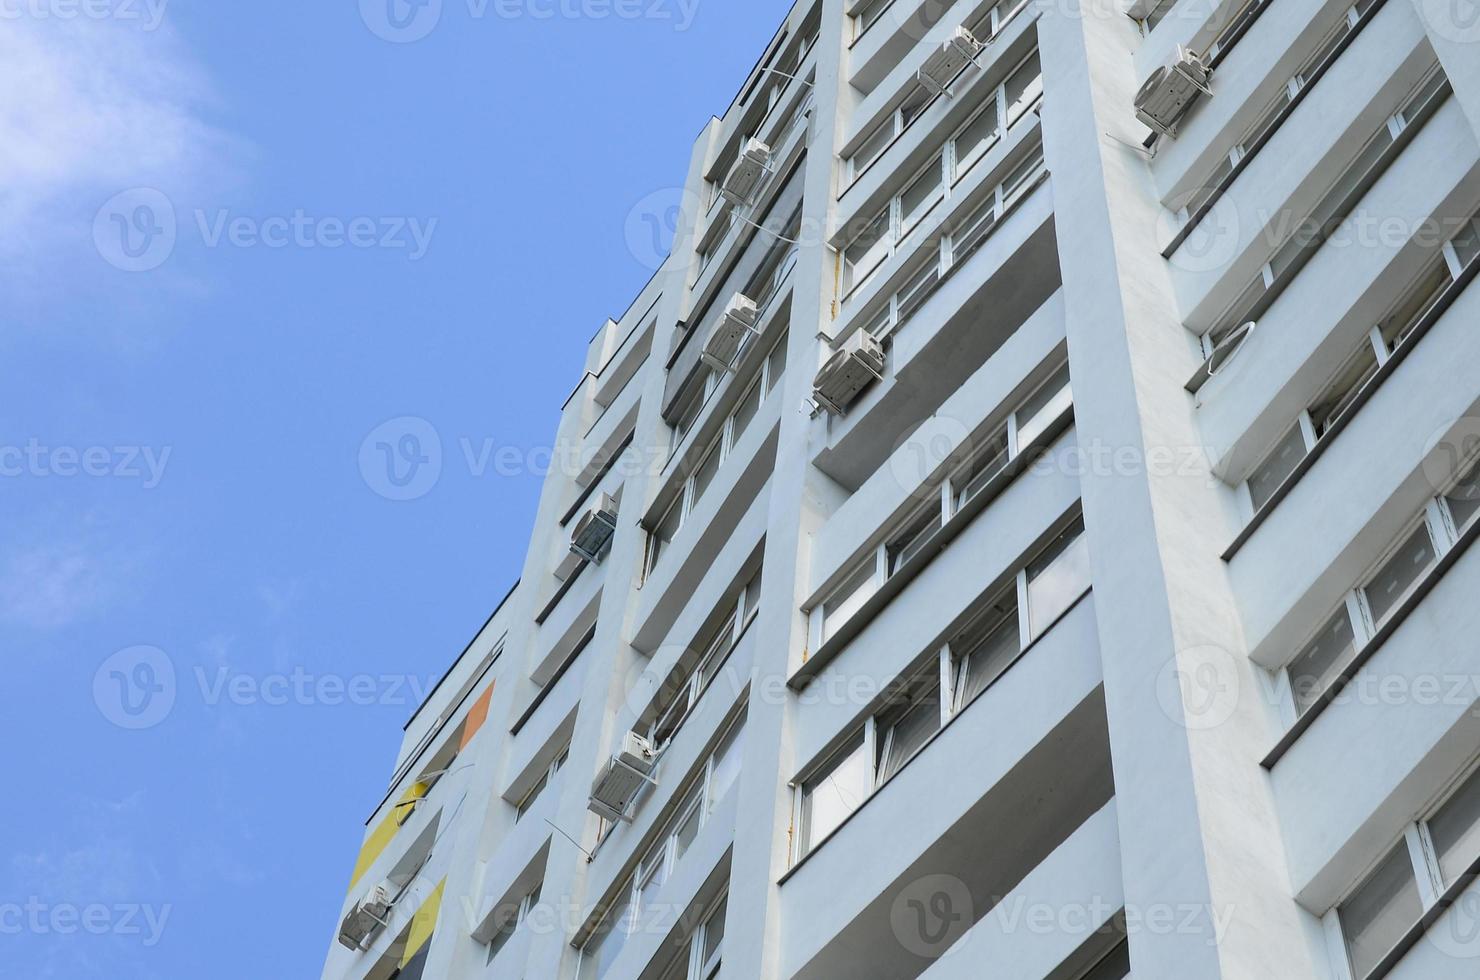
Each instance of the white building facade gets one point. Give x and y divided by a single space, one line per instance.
1012 536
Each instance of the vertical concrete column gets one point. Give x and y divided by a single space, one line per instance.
1453 27
1187 721
754 923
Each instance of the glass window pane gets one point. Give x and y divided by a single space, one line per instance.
776 364
1464 499
1022 175
985 464
1455 831
920 196
604 947
1344 388
913 104
1043 407
714 933
1382 910
828 798
1391 585
905 728
1267 119
976 139
1057 579
1116 966
1210 185
1277 467
1467 242
1024 88
667 527
865 252
1419 297
750 403
913 537
1318 664
847 600
918 289
726 764
986 649
688 830
875 144
704 473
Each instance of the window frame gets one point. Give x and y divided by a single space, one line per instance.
872 737
946 162
689 493
533 794
948 497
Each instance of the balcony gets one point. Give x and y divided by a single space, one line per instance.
1039 768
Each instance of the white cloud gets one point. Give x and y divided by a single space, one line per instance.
50 587
92 107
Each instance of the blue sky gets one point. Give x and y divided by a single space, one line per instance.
237 238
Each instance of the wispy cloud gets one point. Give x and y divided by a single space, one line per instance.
92 107
52 586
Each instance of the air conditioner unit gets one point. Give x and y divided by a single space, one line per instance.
852 368
729 334
617 784
946 61
594 530
1170 92
369 915
745 176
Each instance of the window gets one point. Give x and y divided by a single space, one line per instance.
1057 579
693 674
700 958
995 20
829 797
1316 667
887 230
849 598
905 727
702 474
1115 966
866 14
915 99
547 777
1381 593
1380 912
1454 831
1336 400
986 648
1434 859
638 896
1396 579
1033 417
1370 162
515 918
1243 149
963 237
1155 14
914 711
